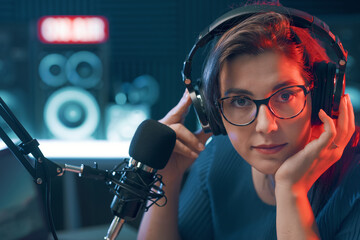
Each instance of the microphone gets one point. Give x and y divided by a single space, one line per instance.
150 150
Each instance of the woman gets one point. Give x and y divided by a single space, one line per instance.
277 174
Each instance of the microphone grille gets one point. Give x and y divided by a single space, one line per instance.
152 144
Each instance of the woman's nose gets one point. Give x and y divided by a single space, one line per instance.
265 121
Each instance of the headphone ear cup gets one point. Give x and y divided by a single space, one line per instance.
329 88
323 92
213 115
215 121
197 99
210 113
210 119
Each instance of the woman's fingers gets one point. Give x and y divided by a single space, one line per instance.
187 138
327 137
202 136
184 150
351 122
187 144
179 112
345 125
342 121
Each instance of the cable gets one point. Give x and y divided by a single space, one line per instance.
48 208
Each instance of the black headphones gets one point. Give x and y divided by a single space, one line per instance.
329 78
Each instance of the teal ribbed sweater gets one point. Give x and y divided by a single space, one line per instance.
218 201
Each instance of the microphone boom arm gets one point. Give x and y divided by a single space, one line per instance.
43 167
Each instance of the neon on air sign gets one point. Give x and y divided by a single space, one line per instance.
73 29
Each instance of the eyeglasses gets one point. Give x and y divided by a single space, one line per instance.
285 103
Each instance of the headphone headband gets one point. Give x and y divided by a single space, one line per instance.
299 19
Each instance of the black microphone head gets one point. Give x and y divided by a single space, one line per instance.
152 144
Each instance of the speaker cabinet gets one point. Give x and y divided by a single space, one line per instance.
71 90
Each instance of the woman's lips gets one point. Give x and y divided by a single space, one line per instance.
269 149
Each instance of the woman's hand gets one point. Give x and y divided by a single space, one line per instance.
294 215
326 147
188 145
162 222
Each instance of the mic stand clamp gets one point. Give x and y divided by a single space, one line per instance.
44 168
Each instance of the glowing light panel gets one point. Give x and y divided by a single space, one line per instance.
73 29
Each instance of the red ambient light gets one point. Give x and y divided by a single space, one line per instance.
73 29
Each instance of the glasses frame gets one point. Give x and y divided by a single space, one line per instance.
265 101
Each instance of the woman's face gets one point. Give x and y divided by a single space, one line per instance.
268 141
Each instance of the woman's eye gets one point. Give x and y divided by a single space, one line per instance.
285 96
240 102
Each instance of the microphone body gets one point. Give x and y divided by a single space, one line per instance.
150 149
135 187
